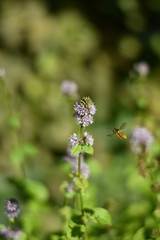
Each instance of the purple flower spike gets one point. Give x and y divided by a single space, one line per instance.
141 140
10 234
74 140
12 208
69 87
84 111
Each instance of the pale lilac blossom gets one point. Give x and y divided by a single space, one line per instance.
88 139
84 168
74 140
84 111
85 121
69 87
142 68
73 161
12 208
10 234
141 140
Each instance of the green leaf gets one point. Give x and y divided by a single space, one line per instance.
78 231
88 149
139 235
24 150
102 216
77 219
17 156
37 190
89 211
14 122
56 237
2 226
76 150
81 183
66 212
75 232
23 236
29 150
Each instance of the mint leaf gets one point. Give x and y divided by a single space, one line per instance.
102 216
76 150
88 149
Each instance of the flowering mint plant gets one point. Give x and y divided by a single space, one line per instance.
84 111
69 88
141 141
12 211
148 167
79 144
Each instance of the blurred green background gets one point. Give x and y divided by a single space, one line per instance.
95 44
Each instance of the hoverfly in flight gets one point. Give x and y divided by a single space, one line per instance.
118 132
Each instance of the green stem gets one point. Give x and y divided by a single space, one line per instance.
85 235
79 171
79 176
81 201
11 222
79 165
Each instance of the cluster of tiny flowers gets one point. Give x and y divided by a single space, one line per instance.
9 234
142 68
73 161
86 140
70 187
69 87
12 208
84 168
74 140
141 140
72 158
84 111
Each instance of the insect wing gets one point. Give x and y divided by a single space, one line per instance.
110 134
123 126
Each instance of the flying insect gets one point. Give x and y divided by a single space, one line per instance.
118 132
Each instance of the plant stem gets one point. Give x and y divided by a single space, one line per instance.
85 235
79 176
81 201
79 171
79 165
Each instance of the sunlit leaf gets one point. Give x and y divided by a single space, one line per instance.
102 216
21 152
37 190
139 235
76 150
88 149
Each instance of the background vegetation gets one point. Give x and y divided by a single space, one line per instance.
95 44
